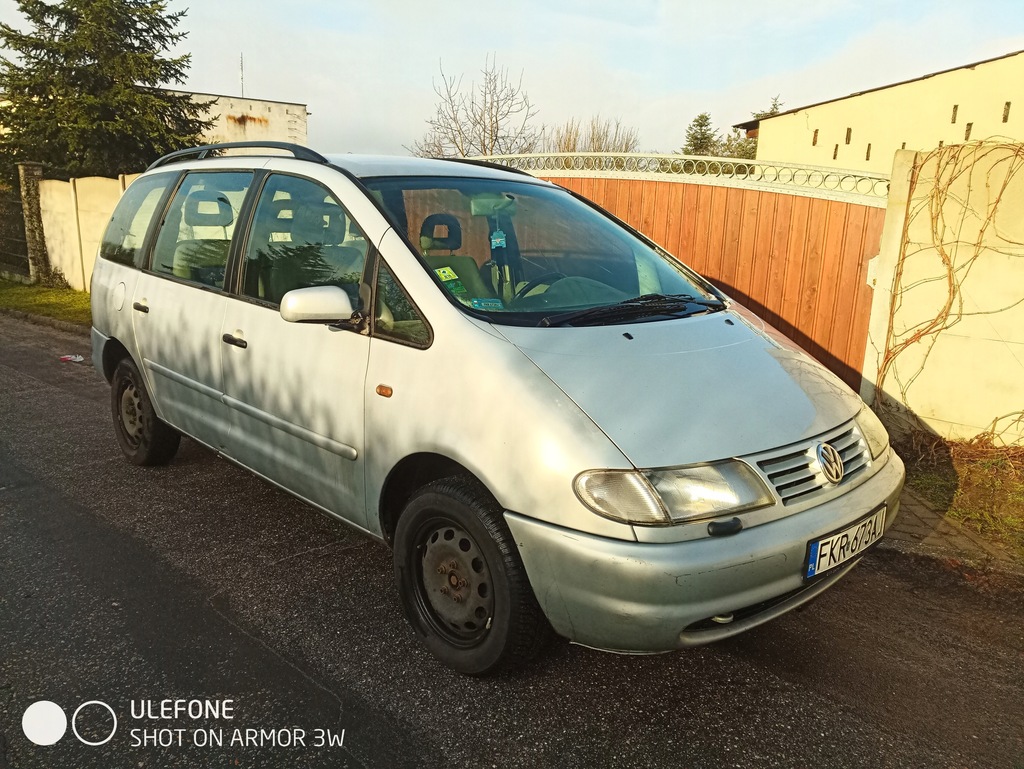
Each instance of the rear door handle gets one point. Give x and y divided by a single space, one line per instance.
236 341
140 307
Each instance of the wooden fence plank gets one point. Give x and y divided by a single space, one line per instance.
789 309
685 245
749 247
823 322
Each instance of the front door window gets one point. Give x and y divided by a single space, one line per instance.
301 236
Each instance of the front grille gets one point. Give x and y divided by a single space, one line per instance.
795 473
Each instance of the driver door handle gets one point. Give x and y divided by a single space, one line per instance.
236 341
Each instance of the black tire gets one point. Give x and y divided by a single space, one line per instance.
142 436
462 581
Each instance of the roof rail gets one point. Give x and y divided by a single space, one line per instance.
488 164
297 150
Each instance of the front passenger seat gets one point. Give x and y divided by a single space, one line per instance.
442 232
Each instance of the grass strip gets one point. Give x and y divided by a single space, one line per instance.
64 304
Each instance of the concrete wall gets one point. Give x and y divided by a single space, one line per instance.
946 335
916 115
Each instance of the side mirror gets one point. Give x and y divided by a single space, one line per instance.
316 304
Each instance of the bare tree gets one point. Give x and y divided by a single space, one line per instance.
601 135
492 118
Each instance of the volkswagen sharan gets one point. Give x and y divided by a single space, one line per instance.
553 423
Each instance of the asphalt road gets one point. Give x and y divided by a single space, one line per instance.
198 581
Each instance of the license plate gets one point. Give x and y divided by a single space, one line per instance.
827 553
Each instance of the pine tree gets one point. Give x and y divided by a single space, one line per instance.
701 137
83 87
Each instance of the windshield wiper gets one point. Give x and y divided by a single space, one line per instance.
681 305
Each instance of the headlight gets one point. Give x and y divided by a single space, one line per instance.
622 495
678 495
871 428
708 491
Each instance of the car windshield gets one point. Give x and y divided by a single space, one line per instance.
529 254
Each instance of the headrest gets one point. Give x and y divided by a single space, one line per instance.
308 225
207 208
280 206
441 231
336 226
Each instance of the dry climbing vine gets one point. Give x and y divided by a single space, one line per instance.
957 193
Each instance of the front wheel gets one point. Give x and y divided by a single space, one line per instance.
143 437
462 582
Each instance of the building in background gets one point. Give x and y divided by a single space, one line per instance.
862 131
238 118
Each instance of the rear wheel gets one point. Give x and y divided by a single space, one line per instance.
143 437
462 582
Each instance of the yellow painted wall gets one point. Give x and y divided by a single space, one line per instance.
916 116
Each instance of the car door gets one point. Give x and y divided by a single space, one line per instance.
295 390
179 303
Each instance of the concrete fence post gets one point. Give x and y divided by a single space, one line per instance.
884 271
30 175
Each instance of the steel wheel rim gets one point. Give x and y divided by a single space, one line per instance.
130 413
455 583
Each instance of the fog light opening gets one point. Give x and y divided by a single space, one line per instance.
722 619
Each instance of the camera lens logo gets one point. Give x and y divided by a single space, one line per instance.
45 722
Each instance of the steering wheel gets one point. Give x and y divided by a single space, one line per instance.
547 277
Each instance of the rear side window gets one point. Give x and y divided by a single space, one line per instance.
123 240
196 233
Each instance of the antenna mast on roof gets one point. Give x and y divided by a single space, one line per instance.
241 71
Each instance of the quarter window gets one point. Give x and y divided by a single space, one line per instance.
123 240
301 236
195 238
396 317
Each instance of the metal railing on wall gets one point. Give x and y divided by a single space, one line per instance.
834 183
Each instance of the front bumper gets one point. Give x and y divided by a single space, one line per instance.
645 598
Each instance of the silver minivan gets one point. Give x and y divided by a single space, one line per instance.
556 425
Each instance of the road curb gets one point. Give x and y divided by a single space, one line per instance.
42 320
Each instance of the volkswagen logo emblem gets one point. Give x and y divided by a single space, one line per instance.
831 463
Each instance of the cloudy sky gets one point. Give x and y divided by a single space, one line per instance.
365 68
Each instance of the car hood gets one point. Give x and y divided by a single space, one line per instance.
696 389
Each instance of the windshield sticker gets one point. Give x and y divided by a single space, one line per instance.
455 287
494 305
446 274
497 239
